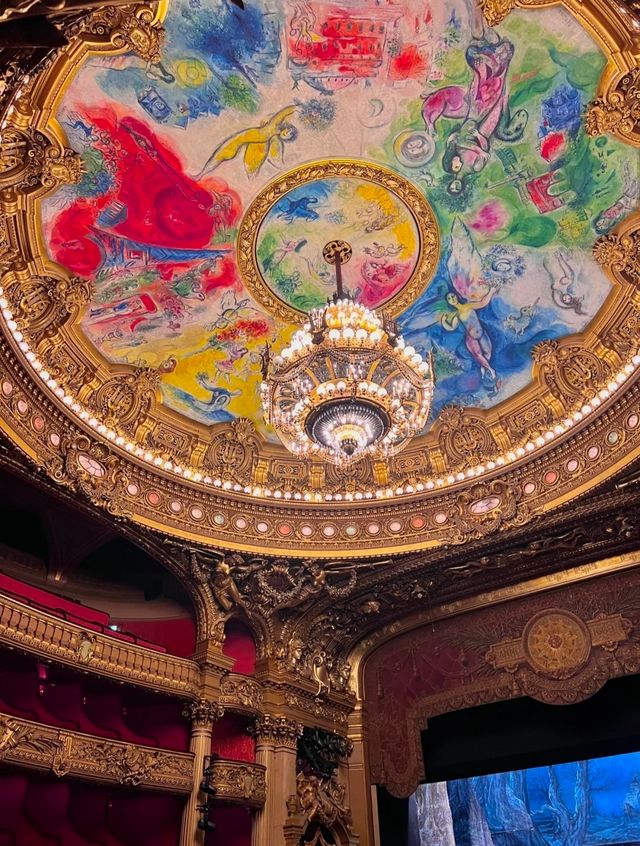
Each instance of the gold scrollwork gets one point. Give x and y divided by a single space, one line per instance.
618 111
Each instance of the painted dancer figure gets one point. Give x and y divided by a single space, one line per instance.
483 109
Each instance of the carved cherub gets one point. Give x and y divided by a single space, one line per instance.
224 587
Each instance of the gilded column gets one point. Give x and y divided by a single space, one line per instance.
202 713
276 748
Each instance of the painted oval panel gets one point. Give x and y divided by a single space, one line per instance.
487 123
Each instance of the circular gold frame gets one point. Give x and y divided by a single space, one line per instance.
415 203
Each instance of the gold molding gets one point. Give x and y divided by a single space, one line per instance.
414 202
34 631
70 753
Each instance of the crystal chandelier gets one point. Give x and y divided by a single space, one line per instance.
347 386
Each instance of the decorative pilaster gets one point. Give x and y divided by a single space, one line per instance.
276 748
203 713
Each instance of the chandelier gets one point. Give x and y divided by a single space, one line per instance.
347 386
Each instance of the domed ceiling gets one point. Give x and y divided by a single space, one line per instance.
454 156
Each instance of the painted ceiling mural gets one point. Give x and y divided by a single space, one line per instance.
486 123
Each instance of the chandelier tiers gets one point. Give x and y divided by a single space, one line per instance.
347 386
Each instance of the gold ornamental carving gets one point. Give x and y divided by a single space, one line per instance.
90 468
241 693
495 11
55 639
64 752
279 731
620 253
414 201
203 713
618 110
31 160
126 28
462 433
233 453
485 508
126 400
238 782
571 372
41 305
318 802
558 644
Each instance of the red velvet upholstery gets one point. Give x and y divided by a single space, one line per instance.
62 697
233 827
240 645
54 604
178 636
75 612
232 740
44 811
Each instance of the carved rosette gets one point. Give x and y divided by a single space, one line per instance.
203 713
279 731
618 111
557 645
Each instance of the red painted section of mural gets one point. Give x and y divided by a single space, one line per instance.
173 211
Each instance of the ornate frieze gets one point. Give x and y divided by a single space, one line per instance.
30 630
280 731
30 744
241 693
239 782
203 712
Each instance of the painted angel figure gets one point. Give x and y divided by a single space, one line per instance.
458 308
258 142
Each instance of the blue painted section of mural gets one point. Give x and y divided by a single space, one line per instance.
586 803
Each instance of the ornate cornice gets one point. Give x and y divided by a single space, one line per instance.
238 782
69 753
203 712
33 631
280 731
